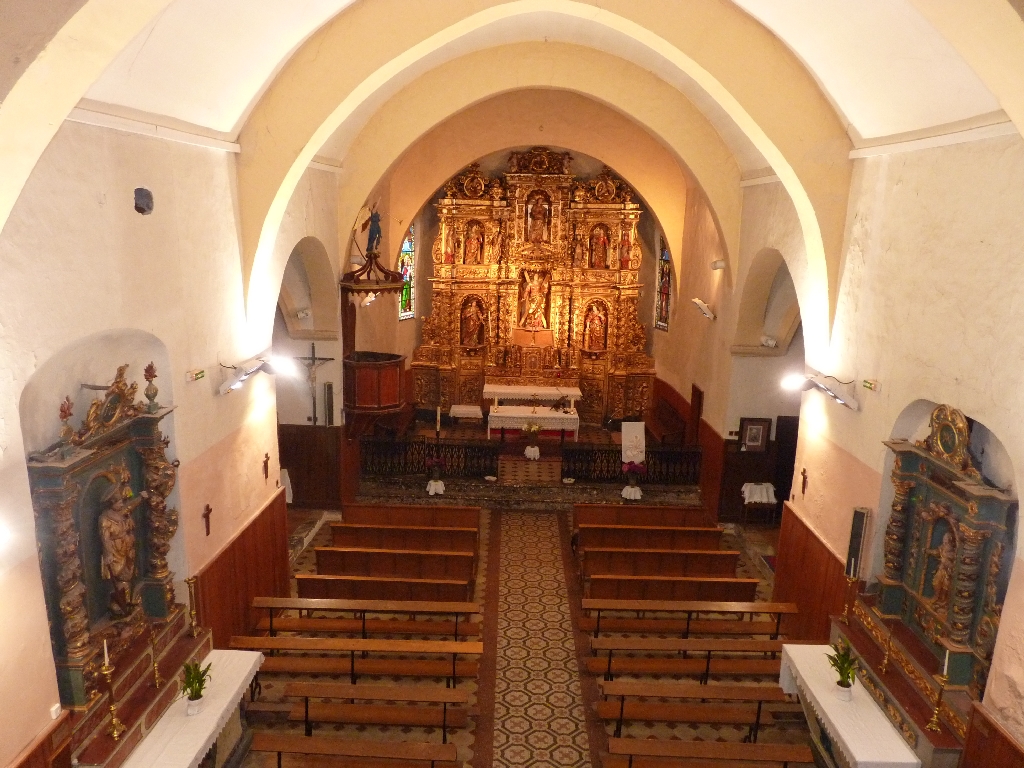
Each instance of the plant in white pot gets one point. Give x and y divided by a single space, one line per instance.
192 685
845 665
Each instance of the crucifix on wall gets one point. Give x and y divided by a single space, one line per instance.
312 362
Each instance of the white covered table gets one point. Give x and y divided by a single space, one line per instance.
499 392
758 493
180 741
859 729
518 416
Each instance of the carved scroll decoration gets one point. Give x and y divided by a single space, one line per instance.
966 583
896 530
161 475
74 617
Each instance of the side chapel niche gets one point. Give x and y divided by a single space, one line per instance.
536 282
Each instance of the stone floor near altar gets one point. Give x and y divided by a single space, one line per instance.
532 705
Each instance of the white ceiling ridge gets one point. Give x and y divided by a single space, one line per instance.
987 126
324 163
129 120
760 176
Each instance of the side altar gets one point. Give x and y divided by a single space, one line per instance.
536 282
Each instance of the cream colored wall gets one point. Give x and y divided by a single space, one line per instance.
754 386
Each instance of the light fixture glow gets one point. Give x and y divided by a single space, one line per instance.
283 366
793 381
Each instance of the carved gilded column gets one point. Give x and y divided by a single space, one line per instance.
896 530
966 584
74 618
161 475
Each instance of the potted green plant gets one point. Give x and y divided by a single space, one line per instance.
192 685
845 665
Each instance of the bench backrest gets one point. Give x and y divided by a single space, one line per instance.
371 606
357 645
427 694
641 562
343 561
692 691
671 588
264 741
689 644
712 750
381 588
421 538
689 606
618 514
408 514
648 537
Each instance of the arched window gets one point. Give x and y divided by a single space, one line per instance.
407 266
663 304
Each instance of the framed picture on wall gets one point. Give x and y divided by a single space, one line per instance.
754 434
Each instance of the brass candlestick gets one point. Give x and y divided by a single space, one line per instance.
933 724
850 581
193 626
157 680
116 726
885 660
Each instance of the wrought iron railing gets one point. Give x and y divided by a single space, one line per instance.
665 465
384 457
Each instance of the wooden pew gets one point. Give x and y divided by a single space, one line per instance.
721 588
689 625
658 712
353 646
647 537
362 625
382 588
682 665
369 753
709 752
645 514
441 716
412 515
655 562
404 537
411 564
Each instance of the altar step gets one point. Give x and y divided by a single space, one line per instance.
139 703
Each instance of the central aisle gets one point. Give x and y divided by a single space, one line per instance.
539 718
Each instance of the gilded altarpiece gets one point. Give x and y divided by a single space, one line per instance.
104 528
948 549
536 282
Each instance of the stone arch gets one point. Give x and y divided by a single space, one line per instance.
308 285
766 269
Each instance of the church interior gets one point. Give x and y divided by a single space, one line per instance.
498 383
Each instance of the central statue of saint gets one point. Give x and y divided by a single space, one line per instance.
533 304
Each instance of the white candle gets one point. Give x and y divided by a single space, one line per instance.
439 418
945 665
106 656
853 568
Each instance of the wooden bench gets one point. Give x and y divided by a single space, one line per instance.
353 646
614 587
362 625
620 514
655 712
404 537
648 537
371 753
410 564
665 423
691 609
378 714
411 514
381 588
655 562
683 646
712 752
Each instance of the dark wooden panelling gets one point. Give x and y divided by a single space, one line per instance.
51 748
711 467
741 467
808 574
312 456
989 744
253 564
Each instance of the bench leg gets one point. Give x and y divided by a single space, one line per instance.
352 666
364 625
608 671
707 670
622 713
309 725
757 723
689 614
456 627
444 723
597 628
270 612
278 760
255 688
455 678
778 626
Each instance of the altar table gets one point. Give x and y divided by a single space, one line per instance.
858 729
499 392
518 416
180 741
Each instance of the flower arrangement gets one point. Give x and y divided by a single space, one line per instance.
843 662
634 468
434 461
195 680
532 431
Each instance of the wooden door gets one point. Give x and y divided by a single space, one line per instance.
786 433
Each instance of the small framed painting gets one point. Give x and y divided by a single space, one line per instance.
754 434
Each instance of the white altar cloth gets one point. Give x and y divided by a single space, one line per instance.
858 727
758 493
180 741
497 392
518 416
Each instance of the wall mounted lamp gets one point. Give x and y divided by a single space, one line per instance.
274 364
806 381
718 264
704 309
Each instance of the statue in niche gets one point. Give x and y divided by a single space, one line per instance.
117 536
537 220
942 580
577 251
449 246
497 243
625 246
594 326
533 305
473 323
474 243
599 247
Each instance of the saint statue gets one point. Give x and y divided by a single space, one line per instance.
599 247
473 324
374 235
594 329
117 537
577 253
942 581
474 244
534 302
537 225
624 249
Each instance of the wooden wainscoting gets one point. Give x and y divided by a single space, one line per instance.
51 748
989 744
808 574
312 456
254 563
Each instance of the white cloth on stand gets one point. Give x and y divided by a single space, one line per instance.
532 452
435 487
634 442
758 493
286 481
632 492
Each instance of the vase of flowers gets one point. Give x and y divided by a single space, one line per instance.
193 684
434 466
845 666
634 470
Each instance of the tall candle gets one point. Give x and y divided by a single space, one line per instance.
439 418
945 665
106 656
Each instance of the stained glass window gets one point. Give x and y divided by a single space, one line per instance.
407 266
664 300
